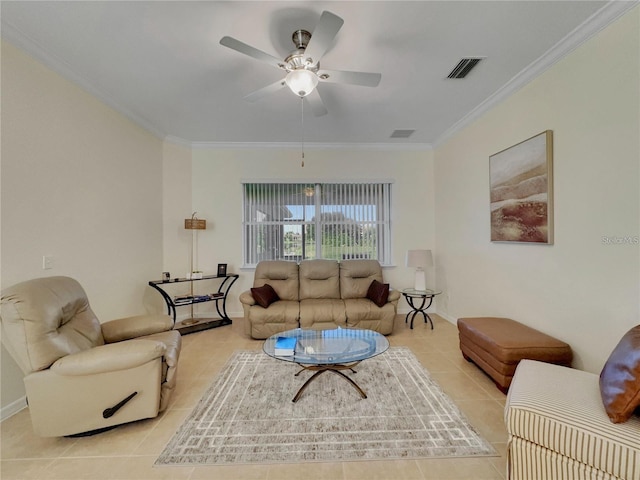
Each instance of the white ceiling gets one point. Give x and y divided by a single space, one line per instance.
160 63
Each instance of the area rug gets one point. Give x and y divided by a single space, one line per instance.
247 416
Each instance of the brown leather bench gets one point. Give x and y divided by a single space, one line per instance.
497 345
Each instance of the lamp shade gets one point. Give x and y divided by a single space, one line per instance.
301 81
195 223
419 258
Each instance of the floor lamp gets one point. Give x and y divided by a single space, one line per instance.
194 224
419 259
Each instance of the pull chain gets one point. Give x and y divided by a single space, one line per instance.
302 147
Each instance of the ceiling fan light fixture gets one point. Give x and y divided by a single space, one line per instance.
301 81
302 66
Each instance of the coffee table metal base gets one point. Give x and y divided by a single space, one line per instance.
320 369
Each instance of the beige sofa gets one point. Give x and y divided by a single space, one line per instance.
569 424
318 294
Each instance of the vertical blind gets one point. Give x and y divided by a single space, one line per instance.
297 221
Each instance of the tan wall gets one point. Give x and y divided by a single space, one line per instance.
176 206
82 184
580 289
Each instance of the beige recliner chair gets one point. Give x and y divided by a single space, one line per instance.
82 376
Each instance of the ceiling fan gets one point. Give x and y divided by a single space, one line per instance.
303 64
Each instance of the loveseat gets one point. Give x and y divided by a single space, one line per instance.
319 294
569 424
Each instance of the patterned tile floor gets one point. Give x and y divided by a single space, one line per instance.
129 452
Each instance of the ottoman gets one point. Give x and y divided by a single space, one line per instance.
497 345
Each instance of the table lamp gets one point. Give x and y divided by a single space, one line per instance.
419 259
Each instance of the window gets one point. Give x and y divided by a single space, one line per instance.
297 221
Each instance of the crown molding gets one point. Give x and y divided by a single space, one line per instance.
178 141
412 147
583 32
16 37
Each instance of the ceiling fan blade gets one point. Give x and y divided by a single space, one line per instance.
321 38
363 79
264 91
253 52
316 104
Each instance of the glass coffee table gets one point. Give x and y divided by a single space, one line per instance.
335 350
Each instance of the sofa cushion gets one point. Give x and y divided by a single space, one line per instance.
282 275
560 409
356 277
620 378
378 293
264 295
363 313
319 278
322 313
280 316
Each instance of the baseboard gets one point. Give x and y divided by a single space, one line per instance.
449 318
13 408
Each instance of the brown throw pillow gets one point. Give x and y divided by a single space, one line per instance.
378 293
264 295
620 378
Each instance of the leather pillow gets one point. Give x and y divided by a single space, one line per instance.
620 378
378 293
264 295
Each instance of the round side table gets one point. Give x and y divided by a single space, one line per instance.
419 301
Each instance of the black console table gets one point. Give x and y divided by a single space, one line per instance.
192 325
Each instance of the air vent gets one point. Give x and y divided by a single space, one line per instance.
463 67
402 133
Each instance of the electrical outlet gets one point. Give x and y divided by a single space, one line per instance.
47 262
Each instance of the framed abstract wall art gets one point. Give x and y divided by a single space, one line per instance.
521 184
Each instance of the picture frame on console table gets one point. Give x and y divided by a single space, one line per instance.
222 269
521 191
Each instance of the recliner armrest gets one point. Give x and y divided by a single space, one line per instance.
109 358
393 295
133 327
247 298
